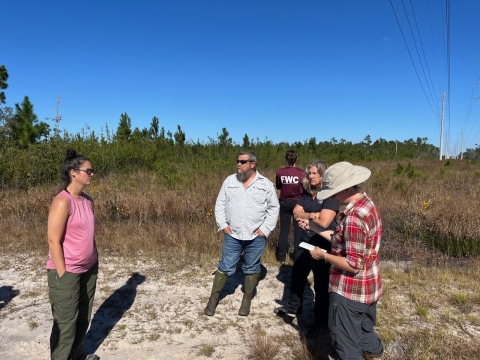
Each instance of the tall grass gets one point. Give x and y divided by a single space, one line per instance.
429 212
434 211
429 204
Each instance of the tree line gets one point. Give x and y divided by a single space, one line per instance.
30 151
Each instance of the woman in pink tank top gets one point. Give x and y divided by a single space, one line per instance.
72 265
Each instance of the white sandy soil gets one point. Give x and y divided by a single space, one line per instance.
142 311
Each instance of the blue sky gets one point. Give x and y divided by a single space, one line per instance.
281 70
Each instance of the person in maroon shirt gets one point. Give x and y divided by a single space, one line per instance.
289 181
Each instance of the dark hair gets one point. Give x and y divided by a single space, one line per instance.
358 188
291 157
72 161
251 156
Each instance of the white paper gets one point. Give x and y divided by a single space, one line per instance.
309 246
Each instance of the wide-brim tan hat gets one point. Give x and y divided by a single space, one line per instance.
341 176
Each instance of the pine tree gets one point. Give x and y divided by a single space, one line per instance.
25 128
124 129
179 136
223 139
154 128
3 83
246 142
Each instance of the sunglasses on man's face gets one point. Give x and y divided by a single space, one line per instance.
88 171
243 162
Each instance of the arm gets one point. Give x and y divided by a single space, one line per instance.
323 218
93 211
299 213
327 215
319 229
278 182
220 210
337 261
355 239
271 216
57 220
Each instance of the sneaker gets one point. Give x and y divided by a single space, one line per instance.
92 357
283 310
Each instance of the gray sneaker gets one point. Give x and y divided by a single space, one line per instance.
92 357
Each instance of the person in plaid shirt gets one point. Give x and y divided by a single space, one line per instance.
355 284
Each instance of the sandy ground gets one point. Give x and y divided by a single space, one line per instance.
143 311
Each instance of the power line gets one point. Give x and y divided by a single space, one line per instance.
411 59
470 105
416 49
421 46
469 114
448 62
433 41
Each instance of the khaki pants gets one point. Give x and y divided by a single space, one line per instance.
71 298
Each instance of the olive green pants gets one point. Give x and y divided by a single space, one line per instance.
71 298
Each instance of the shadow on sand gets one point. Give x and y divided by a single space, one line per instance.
318 342
110 312
305 319
6 295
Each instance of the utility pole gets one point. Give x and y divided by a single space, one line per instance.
441 126
57 118
461 152
447 145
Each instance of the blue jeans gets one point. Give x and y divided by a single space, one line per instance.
232 249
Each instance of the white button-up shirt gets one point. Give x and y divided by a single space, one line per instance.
246 210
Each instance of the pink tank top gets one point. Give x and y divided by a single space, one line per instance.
79 248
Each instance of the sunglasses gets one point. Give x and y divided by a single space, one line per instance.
243 162
88 171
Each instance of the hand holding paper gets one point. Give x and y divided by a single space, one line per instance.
309 246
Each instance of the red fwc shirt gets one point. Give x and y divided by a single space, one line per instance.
357 238
289 181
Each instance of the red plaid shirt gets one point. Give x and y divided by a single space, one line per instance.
357 238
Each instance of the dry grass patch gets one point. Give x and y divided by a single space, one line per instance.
437 343
461 300
262 348
206 350
426 313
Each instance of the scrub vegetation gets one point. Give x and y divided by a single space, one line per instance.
154 194
431 303
137 213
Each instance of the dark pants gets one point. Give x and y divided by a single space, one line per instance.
71 298
351 327
286 215
304 263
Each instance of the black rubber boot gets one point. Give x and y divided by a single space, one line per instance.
218 283
250 283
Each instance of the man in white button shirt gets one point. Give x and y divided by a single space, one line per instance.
246 211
